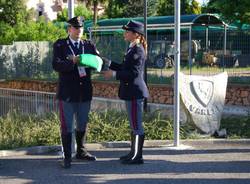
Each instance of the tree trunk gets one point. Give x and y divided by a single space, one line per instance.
95 12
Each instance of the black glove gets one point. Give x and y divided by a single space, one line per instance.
106 63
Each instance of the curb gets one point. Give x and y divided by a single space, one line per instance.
36 150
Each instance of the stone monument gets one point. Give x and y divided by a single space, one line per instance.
202 98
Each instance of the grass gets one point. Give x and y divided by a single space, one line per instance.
24 130
32 130
237 127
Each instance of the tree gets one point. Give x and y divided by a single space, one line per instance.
152 5
166 7
115 8
130 8
95 4
79 11
14 11
232 11
134 8
7 33
40 30
195 8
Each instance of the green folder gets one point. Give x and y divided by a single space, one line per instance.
91 60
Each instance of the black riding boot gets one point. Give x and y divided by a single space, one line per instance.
137 156
66 142
81 151
130 154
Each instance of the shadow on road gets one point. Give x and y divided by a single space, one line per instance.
158 168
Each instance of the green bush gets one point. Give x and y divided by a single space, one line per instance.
24 130
237 127
31 130
39 31
7 34
31 31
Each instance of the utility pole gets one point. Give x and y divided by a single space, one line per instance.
145 12
70 8
176 75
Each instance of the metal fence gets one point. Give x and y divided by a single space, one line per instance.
209 56
207 44
26 102
33 59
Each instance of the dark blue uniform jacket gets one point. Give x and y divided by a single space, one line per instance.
130 73
72 87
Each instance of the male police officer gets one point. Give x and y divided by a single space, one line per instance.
74 88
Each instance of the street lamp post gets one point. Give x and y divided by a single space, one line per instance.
71 15
176 75
145 34
70 9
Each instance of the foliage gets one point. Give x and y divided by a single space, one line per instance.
7 33
25 65
79 11
14 11
130 8
166 7
37 31
24 130
158 127
232 11
237 127
95 4
115 9
152 5
194 8
32 130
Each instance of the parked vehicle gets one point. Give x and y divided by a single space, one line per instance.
161 52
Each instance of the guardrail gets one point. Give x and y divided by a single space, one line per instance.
26 102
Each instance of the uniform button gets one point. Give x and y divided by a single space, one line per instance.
80 83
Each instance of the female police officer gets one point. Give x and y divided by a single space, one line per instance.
74 89
132 87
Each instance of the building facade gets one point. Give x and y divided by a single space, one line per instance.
47 8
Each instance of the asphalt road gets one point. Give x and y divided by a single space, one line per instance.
214 163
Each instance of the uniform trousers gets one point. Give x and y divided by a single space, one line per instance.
134 109
69 111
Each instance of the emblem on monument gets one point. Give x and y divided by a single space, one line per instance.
203 91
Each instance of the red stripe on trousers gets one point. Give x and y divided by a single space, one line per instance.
62 118
134 114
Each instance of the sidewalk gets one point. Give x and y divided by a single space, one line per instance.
197 162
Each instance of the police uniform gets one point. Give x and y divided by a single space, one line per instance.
133 90
74 92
